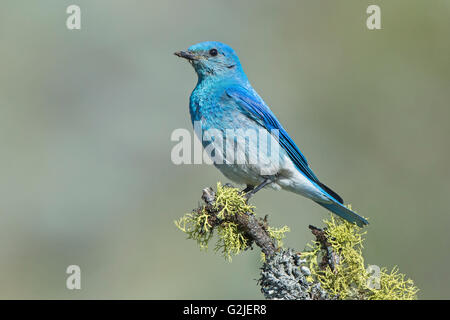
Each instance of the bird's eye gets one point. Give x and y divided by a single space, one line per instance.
213 52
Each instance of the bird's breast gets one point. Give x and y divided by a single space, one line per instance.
209 106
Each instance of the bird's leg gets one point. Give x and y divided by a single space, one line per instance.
259 187
248 188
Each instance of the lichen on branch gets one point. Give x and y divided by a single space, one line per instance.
331 267
343 273
227 212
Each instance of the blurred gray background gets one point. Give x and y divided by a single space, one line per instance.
86 118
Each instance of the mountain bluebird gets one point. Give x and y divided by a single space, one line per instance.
224 101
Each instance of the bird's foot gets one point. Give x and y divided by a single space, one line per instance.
247 189
254 190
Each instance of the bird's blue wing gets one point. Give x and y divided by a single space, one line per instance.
256 109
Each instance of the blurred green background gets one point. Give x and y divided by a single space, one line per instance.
86 118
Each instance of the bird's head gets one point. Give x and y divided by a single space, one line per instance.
213 59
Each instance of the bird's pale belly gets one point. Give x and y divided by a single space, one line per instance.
270 161
279 167
244 174
249 163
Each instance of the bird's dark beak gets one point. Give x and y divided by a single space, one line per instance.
186 55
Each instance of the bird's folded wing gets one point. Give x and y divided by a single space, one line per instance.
255 108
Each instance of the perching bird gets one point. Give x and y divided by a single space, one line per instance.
224 100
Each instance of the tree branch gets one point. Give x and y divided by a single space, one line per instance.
318 273
254 229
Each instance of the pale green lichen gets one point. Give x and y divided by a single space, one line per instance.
230 201
197 227
349 278
393 286
278 234
231 240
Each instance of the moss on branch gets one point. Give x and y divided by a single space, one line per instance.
228 213
331 267
343 273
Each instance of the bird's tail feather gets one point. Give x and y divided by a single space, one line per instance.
344 213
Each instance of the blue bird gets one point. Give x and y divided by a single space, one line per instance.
224 99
